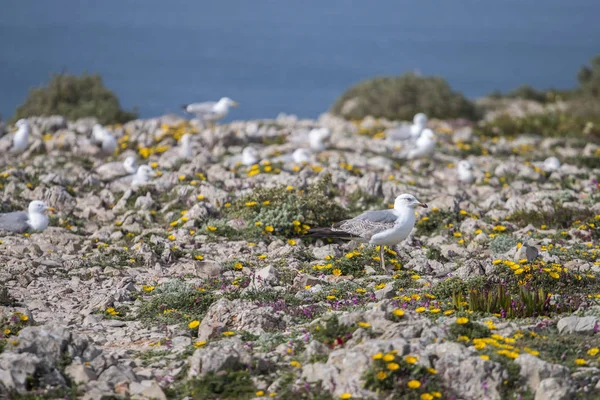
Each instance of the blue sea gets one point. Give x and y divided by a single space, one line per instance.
289 56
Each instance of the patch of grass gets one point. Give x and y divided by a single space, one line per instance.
175 302
401 97
331 333
75 97
526 303
559 218
286 211
450 287
217 386
471 330
548 124
502 243
400 375
436 221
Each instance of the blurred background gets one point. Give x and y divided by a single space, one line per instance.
274 56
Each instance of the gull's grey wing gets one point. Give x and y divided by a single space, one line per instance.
367 224
14 222
200 108
399 133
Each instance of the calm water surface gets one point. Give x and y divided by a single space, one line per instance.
285 56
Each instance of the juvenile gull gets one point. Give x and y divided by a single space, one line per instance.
20 221
380 228
21 138
210 111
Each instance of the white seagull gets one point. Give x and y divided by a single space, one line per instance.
34 219
21 138
105 139
210 111
465 172
424 146
318 138
185 149
551 164
249 156
380 228
142 176
413 131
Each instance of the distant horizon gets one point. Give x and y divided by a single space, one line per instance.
274 59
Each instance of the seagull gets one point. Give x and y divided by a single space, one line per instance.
130 165
413 131
185 150
317 138
551 164
424 146
21 138
249 156
105 139
113 170
20 221
210 111
465 172
142 176
380 228
301 156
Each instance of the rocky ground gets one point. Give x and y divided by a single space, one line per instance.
204 284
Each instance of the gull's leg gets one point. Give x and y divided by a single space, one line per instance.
381 257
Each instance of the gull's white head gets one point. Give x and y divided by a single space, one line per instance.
407 201
420 119
226 101
38 207
249 156
301 156
37 220
186 139
427 134
22 123
551 164
130 165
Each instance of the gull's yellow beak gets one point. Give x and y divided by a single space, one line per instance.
51 209
423 205
235 103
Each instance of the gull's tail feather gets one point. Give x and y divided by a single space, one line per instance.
331 233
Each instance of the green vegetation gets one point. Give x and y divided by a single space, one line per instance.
580 117
472 330
286 211
216 385
75 97
175 302
402 375
401 97
550 124
331 333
